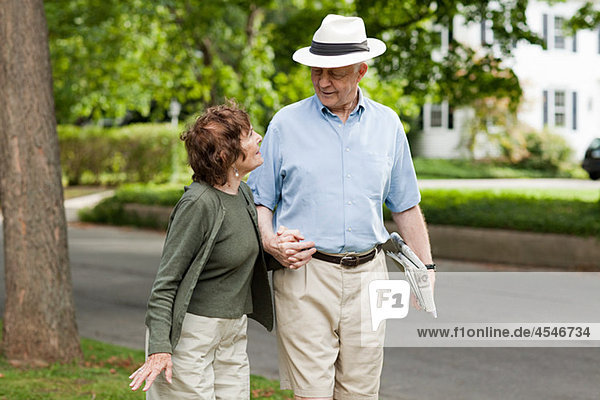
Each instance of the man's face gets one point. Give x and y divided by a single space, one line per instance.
336 87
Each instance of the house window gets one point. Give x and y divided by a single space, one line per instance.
559 38
553 34
436 116
559 108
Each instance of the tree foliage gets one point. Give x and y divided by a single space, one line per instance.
112 57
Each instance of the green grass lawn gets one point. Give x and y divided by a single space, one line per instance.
432 168
103 374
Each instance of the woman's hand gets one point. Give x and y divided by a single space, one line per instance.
148 372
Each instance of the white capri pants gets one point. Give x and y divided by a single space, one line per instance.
209 362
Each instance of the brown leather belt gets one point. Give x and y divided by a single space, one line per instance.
348 259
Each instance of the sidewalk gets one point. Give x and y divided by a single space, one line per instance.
72 206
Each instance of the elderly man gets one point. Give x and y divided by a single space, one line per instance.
331 161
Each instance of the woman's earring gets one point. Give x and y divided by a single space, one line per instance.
237 173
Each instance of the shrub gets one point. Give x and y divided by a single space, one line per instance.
135 153
113 210
545 151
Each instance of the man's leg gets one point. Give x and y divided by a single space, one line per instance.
360 361
308 303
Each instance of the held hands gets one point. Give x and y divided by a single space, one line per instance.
151 369
287 247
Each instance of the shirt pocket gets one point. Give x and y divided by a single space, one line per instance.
374 173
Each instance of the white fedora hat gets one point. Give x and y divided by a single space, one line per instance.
339 41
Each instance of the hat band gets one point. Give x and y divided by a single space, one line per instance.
337 49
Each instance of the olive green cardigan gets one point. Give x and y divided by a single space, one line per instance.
193 227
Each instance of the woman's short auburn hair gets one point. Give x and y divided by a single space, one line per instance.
213 142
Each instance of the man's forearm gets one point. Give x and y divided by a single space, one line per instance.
265 225
413 229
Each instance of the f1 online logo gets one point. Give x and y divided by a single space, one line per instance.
388 300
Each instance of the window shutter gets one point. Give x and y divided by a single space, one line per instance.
574 111
575 42
483 43
450 118
545 30
545 106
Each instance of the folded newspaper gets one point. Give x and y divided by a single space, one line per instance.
415 272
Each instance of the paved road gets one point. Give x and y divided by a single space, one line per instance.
113 269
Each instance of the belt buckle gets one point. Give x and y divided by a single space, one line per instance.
349 260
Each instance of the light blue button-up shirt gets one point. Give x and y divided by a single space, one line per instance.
329 179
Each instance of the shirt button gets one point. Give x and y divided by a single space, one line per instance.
347 148
349 229
349 203
348 176
339 125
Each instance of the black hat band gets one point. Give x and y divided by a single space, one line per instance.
337 49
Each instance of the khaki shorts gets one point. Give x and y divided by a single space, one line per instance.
209 362
325 347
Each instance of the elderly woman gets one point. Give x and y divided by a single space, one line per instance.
212 271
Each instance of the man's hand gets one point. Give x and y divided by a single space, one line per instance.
288 248
148 372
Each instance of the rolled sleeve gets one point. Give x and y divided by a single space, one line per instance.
266 180
404 190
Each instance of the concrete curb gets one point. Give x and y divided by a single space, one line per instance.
513 247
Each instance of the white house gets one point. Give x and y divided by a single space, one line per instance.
561 85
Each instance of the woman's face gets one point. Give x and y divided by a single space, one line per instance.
251 146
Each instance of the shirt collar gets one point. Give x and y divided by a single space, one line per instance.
359 109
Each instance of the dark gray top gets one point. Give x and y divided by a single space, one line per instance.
223 288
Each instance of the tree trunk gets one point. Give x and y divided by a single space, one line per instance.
39 316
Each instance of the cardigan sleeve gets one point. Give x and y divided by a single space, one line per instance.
186 233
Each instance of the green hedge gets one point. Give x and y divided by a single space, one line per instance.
135 153
512 210
112 210
551 211
143 153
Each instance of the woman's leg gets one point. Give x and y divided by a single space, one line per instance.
193 357
231 368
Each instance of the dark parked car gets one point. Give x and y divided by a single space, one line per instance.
591 161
